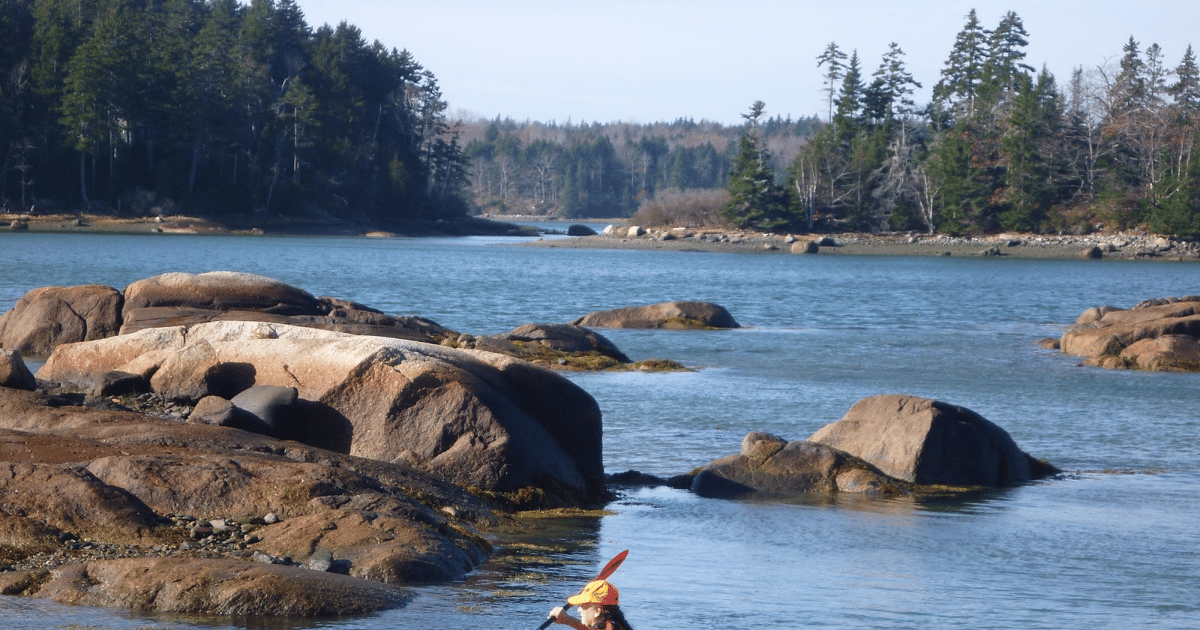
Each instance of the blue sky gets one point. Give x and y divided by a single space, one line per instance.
652 60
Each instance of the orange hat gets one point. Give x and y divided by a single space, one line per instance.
598 592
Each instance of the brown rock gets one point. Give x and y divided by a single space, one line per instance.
214 586
79 363
475 418
374 543
769 465
14 373
1116 330
46 317
190 374
213 291
75 473
674 315
69 498
546 343
213 410
930 442
183 299
1166 353
806 247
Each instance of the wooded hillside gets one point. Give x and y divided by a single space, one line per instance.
217 108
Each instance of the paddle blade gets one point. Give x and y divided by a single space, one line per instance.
612 565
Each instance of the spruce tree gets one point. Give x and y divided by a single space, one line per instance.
756 201
835 61
897 83
1005 64
963 71
1032 168
1186 89
848 118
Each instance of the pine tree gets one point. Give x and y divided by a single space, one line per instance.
98 90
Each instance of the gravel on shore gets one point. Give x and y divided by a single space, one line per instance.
1112 245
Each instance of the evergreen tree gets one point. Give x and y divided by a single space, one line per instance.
1178 214
1032 168
897 178
848 118
897 84
834 60
1005 69
1131 81
99 83
1186 89
756 201
959 180
964 69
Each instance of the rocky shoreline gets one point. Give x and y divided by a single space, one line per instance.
1133 245
251 225
1125 246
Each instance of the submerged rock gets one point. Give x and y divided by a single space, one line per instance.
553 344
578 229
770 465
884 446
673 315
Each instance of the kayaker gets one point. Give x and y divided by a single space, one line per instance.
598 609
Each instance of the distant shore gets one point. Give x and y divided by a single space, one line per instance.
1112 245
250 225
1125 245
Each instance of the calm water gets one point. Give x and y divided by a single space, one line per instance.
1113 544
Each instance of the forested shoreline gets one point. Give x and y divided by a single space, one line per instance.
218 109
214 108
1002 146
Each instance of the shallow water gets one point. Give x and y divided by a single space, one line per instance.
1111 544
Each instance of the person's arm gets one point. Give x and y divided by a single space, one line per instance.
560 616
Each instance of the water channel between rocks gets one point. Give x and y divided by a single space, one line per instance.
1111 544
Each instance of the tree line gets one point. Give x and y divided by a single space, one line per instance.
606 169
216 107
1001 146
219 108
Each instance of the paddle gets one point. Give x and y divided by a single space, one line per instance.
608 570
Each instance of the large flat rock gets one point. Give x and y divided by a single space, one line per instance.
475 418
